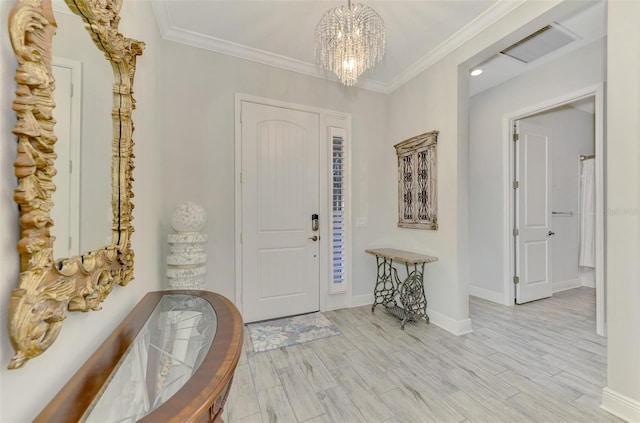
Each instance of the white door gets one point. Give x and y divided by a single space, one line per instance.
280 193
533 212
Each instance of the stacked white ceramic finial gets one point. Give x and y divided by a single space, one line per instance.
187 259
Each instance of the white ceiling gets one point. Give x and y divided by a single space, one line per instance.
587 25
419 33
281 33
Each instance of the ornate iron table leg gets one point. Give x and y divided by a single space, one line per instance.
412 296
386 283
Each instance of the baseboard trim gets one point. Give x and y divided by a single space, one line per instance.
620 405
565 285
485 294
456 327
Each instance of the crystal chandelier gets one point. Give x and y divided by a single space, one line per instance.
349 40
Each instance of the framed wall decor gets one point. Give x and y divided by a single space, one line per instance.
417 182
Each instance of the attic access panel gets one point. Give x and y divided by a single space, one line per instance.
542 42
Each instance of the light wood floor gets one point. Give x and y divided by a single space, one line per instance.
539 362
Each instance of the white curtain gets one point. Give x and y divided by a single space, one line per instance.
587 213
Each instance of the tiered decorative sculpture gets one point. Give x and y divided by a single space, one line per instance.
187 259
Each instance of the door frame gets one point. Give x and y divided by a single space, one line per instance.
597 92
328 119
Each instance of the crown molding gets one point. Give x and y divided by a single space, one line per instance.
466 33
170 32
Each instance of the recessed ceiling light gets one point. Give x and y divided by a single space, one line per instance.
476 72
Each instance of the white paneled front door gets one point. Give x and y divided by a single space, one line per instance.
533 213
280 192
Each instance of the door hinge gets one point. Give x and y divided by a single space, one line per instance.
516 184
516 137
516 280
516 232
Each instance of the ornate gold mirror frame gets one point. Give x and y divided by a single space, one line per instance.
47 288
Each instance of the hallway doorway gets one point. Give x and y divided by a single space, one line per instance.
556 260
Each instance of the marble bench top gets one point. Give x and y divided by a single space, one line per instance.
401 255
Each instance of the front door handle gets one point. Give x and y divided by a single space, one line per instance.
314 238
551 233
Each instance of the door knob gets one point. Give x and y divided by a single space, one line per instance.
551 233
314 238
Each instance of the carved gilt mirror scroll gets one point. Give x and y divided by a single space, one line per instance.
48 288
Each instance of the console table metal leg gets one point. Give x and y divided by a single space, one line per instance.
405 299
412 296
386 283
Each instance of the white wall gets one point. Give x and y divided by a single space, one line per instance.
622 395
572 135
25 391
426 103
197 124
437 99
9 260
189 155
197 115
489 206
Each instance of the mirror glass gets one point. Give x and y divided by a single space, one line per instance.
83 96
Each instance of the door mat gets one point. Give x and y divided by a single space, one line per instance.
273 334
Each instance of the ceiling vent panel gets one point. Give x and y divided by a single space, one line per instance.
540 43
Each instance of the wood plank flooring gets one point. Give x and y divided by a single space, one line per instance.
538 362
